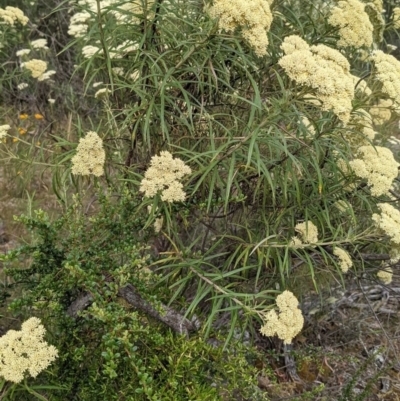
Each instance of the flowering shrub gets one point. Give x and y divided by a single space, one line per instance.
208 150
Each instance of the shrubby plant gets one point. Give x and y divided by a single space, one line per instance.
231 144
82 269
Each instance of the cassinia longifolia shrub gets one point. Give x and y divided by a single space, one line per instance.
236 153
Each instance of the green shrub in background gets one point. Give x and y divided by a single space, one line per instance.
232 151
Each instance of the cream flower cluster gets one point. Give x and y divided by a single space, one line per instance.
388 74
345 261
308 232
78 24
378 166
90 156
3 130
89 51
385 275
324 70
122 49
254 17
396 18
163 175
46 75
101 93
23 52
39 44
355 28
381 112
25 351
11 15
388 221
394 253
288 323
36 67
296 242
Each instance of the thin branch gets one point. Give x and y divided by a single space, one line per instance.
375 256
162 313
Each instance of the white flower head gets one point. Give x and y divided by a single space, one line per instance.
345 261
288 322
3 130
23 52
90 156
22 86
378 166
385 275
25 352
101 93
164 175
388 221
308 232
36 67
39 44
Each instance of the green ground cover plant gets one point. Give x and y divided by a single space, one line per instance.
214 161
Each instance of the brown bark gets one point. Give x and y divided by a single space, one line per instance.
163 313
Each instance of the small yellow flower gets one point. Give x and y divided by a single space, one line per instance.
23 116
37 143
15 140
22 131
38 116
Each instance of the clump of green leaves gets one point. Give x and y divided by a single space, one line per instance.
111 348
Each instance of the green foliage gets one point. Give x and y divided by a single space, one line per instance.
265 156
348 392
111 350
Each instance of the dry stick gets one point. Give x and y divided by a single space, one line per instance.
375 256
163 313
